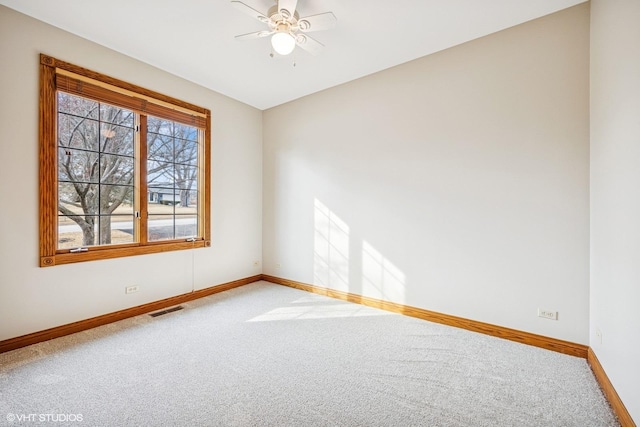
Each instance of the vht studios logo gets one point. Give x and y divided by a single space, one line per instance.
44 418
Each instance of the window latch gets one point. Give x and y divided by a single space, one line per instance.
191 239
76 250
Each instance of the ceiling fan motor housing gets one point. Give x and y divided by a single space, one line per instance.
278 17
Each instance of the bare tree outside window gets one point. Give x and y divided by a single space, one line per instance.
95 169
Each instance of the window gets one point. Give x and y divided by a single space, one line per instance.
123 170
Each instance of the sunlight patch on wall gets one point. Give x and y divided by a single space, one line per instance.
331 249
381 279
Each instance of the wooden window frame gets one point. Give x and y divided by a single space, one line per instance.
55 73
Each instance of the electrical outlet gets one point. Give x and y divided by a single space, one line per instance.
131 289
547 314
599 335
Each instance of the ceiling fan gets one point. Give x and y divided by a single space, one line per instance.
286 27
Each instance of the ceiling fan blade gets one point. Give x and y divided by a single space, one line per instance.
251 11
322 21
262 4
256 35
287 8
312 46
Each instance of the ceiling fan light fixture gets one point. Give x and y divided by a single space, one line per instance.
283 43
286 28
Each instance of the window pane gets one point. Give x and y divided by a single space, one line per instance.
94 230
116 115
162 200
159 147
116 229
187 202
82 165
167 227
77 199
116 139
186 177
156 125
186 152
77 165
77 232
116 169
160 173
192 134
76 105
172 179
160 227
185 132
116 199
77 132
186 226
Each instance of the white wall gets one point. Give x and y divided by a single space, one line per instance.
33 298
458 182
615 194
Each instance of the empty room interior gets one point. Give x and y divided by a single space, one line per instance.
461 167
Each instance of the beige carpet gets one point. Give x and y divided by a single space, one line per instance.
264 354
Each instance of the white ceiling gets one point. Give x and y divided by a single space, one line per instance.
194 39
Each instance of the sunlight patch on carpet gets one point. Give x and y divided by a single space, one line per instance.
318 312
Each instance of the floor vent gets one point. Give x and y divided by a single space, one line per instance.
168 310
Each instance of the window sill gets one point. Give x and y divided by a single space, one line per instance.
98 253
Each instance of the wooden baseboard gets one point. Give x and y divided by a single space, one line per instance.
607 388
82 325
553 344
